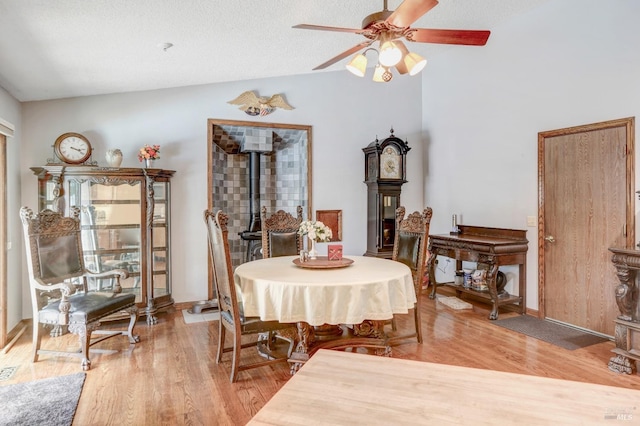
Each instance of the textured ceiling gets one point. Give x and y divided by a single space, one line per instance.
53 49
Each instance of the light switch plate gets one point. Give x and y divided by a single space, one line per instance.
532 221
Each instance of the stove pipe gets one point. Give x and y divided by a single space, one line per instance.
254 192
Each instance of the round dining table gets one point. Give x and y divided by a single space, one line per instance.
369 290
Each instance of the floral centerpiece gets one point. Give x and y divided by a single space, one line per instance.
149 152
315 231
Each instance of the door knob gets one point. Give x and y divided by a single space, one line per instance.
550 238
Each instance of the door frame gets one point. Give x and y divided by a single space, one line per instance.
216 128
4 131
629 124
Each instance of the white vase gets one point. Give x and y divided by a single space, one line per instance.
148 163
313 253
113 157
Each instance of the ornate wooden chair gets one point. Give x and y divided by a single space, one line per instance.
58 280
232 317
410 248
280 233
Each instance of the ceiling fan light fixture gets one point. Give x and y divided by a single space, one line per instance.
389 54
358 65
414 63
387 28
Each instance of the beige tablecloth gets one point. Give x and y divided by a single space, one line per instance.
369 289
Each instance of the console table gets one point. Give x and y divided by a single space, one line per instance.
489 246
627 334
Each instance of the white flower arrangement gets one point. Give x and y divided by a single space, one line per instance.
315 230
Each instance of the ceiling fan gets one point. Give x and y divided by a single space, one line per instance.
388 27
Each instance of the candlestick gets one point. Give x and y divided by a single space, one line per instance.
454 225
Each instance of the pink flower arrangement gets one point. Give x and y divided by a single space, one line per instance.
149 152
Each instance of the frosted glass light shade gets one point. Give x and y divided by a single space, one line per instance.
377 74
358 65
382 75
414 63
389 54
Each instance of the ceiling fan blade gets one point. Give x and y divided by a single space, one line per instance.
344 54
409 11
324 28
465 37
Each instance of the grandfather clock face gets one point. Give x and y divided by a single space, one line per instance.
390 163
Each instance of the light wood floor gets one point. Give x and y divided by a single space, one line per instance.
171 378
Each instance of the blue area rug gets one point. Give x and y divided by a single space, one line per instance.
46 402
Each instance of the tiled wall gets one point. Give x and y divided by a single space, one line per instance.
283 178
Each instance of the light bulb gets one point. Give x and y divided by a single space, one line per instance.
389 54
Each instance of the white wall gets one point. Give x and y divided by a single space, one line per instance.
564 64
10 112
346 113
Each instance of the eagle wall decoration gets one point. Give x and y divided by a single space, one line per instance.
253 104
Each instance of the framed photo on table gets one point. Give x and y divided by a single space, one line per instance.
333 219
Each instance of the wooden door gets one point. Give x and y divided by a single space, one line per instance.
586 205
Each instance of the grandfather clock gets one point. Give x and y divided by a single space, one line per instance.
385 173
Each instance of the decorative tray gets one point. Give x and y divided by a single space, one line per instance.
323 262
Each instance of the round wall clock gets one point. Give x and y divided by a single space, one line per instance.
72 148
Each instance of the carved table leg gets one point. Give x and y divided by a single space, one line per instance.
369 328
431 270
306 337
622 364
327 330
375 330
492 273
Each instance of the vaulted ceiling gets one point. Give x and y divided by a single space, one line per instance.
53 49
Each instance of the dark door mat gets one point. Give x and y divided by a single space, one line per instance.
550 332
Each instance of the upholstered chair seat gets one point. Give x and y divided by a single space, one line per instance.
85 308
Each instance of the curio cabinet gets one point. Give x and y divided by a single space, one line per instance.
125 220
